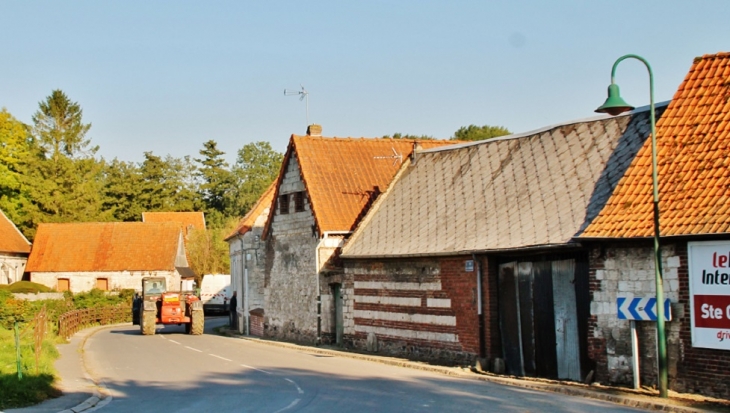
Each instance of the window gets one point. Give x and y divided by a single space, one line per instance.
284 204
299 202
102 284
64 284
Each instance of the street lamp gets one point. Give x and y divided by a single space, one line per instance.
615 105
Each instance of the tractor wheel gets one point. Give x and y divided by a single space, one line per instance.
197 324
147 323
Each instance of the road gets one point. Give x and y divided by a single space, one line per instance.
175 372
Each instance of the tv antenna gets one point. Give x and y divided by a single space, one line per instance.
303 95
396 157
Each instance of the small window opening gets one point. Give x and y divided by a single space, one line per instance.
284 204
299 202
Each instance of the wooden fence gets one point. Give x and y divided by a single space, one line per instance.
74 321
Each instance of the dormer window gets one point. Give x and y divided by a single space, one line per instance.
284 204
298 201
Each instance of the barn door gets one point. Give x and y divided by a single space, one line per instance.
509 316
566 320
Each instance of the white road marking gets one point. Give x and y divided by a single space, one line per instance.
222 358
194 349
173 341
292 404
299 389
254 368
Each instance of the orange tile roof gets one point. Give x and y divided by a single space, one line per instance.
185 219
259 207
104 246
11 239
341 174
693 156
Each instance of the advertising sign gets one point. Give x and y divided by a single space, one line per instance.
709 292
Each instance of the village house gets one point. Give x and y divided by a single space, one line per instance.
14 251
188 222
246 251
78 257
693 151
324 188
469 253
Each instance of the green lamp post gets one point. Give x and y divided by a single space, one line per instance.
615 105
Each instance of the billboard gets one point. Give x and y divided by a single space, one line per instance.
709 293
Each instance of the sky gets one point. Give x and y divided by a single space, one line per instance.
167 76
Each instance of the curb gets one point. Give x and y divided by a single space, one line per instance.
98 399
572 389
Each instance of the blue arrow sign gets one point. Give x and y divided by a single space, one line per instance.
641 308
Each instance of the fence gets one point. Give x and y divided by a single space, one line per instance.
72 322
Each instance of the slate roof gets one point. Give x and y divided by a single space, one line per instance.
187 220
693 156
343 175
532 190
104 246
248 221
11 239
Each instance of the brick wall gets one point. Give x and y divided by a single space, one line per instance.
421 308
620 268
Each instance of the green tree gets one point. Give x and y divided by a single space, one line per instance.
123 184
16 145
256 167
61 181
407 136
479 133
217 182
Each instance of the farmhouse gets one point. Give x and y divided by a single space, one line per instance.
14 250
106 255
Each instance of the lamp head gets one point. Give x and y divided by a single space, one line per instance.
614 104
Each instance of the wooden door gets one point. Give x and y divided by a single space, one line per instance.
64 284
567 345
339 316
102 284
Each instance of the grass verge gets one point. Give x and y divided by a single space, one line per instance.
36 385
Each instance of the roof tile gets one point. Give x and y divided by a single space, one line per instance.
11 239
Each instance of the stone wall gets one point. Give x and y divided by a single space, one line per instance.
85 281
289 281
620 268
12 267
247 255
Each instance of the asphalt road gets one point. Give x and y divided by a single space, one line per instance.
175 372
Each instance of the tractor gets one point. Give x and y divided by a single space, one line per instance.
155 305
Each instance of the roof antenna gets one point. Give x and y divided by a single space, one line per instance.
304 95
396 157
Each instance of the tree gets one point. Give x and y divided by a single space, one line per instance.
407 136
207 251
479 133
61 180
16 145
217 181
256 167
58 127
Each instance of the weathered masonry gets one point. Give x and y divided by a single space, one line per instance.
469 253
324 188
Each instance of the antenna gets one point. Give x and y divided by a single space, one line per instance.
396 157
303 95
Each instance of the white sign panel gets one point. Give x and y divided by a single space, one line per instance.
709 293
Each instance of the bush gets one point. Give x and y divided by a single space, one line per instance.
28 287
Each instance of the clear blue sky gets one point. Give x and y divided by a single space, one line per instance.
166 76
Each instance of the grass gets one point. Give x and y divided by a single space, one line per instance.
35 386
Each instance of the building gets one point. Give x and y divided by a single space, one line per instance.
106 255
247 264
693 146
188 221
470 252
325 186
14 251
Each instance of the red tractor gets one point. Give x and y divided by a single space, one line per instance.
157 306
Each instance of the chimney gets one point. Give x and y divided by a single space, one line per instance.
314 130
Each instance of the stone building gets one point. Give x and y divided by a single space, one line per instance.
324 188
246 251
470 253
106 255
14 251
693 146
